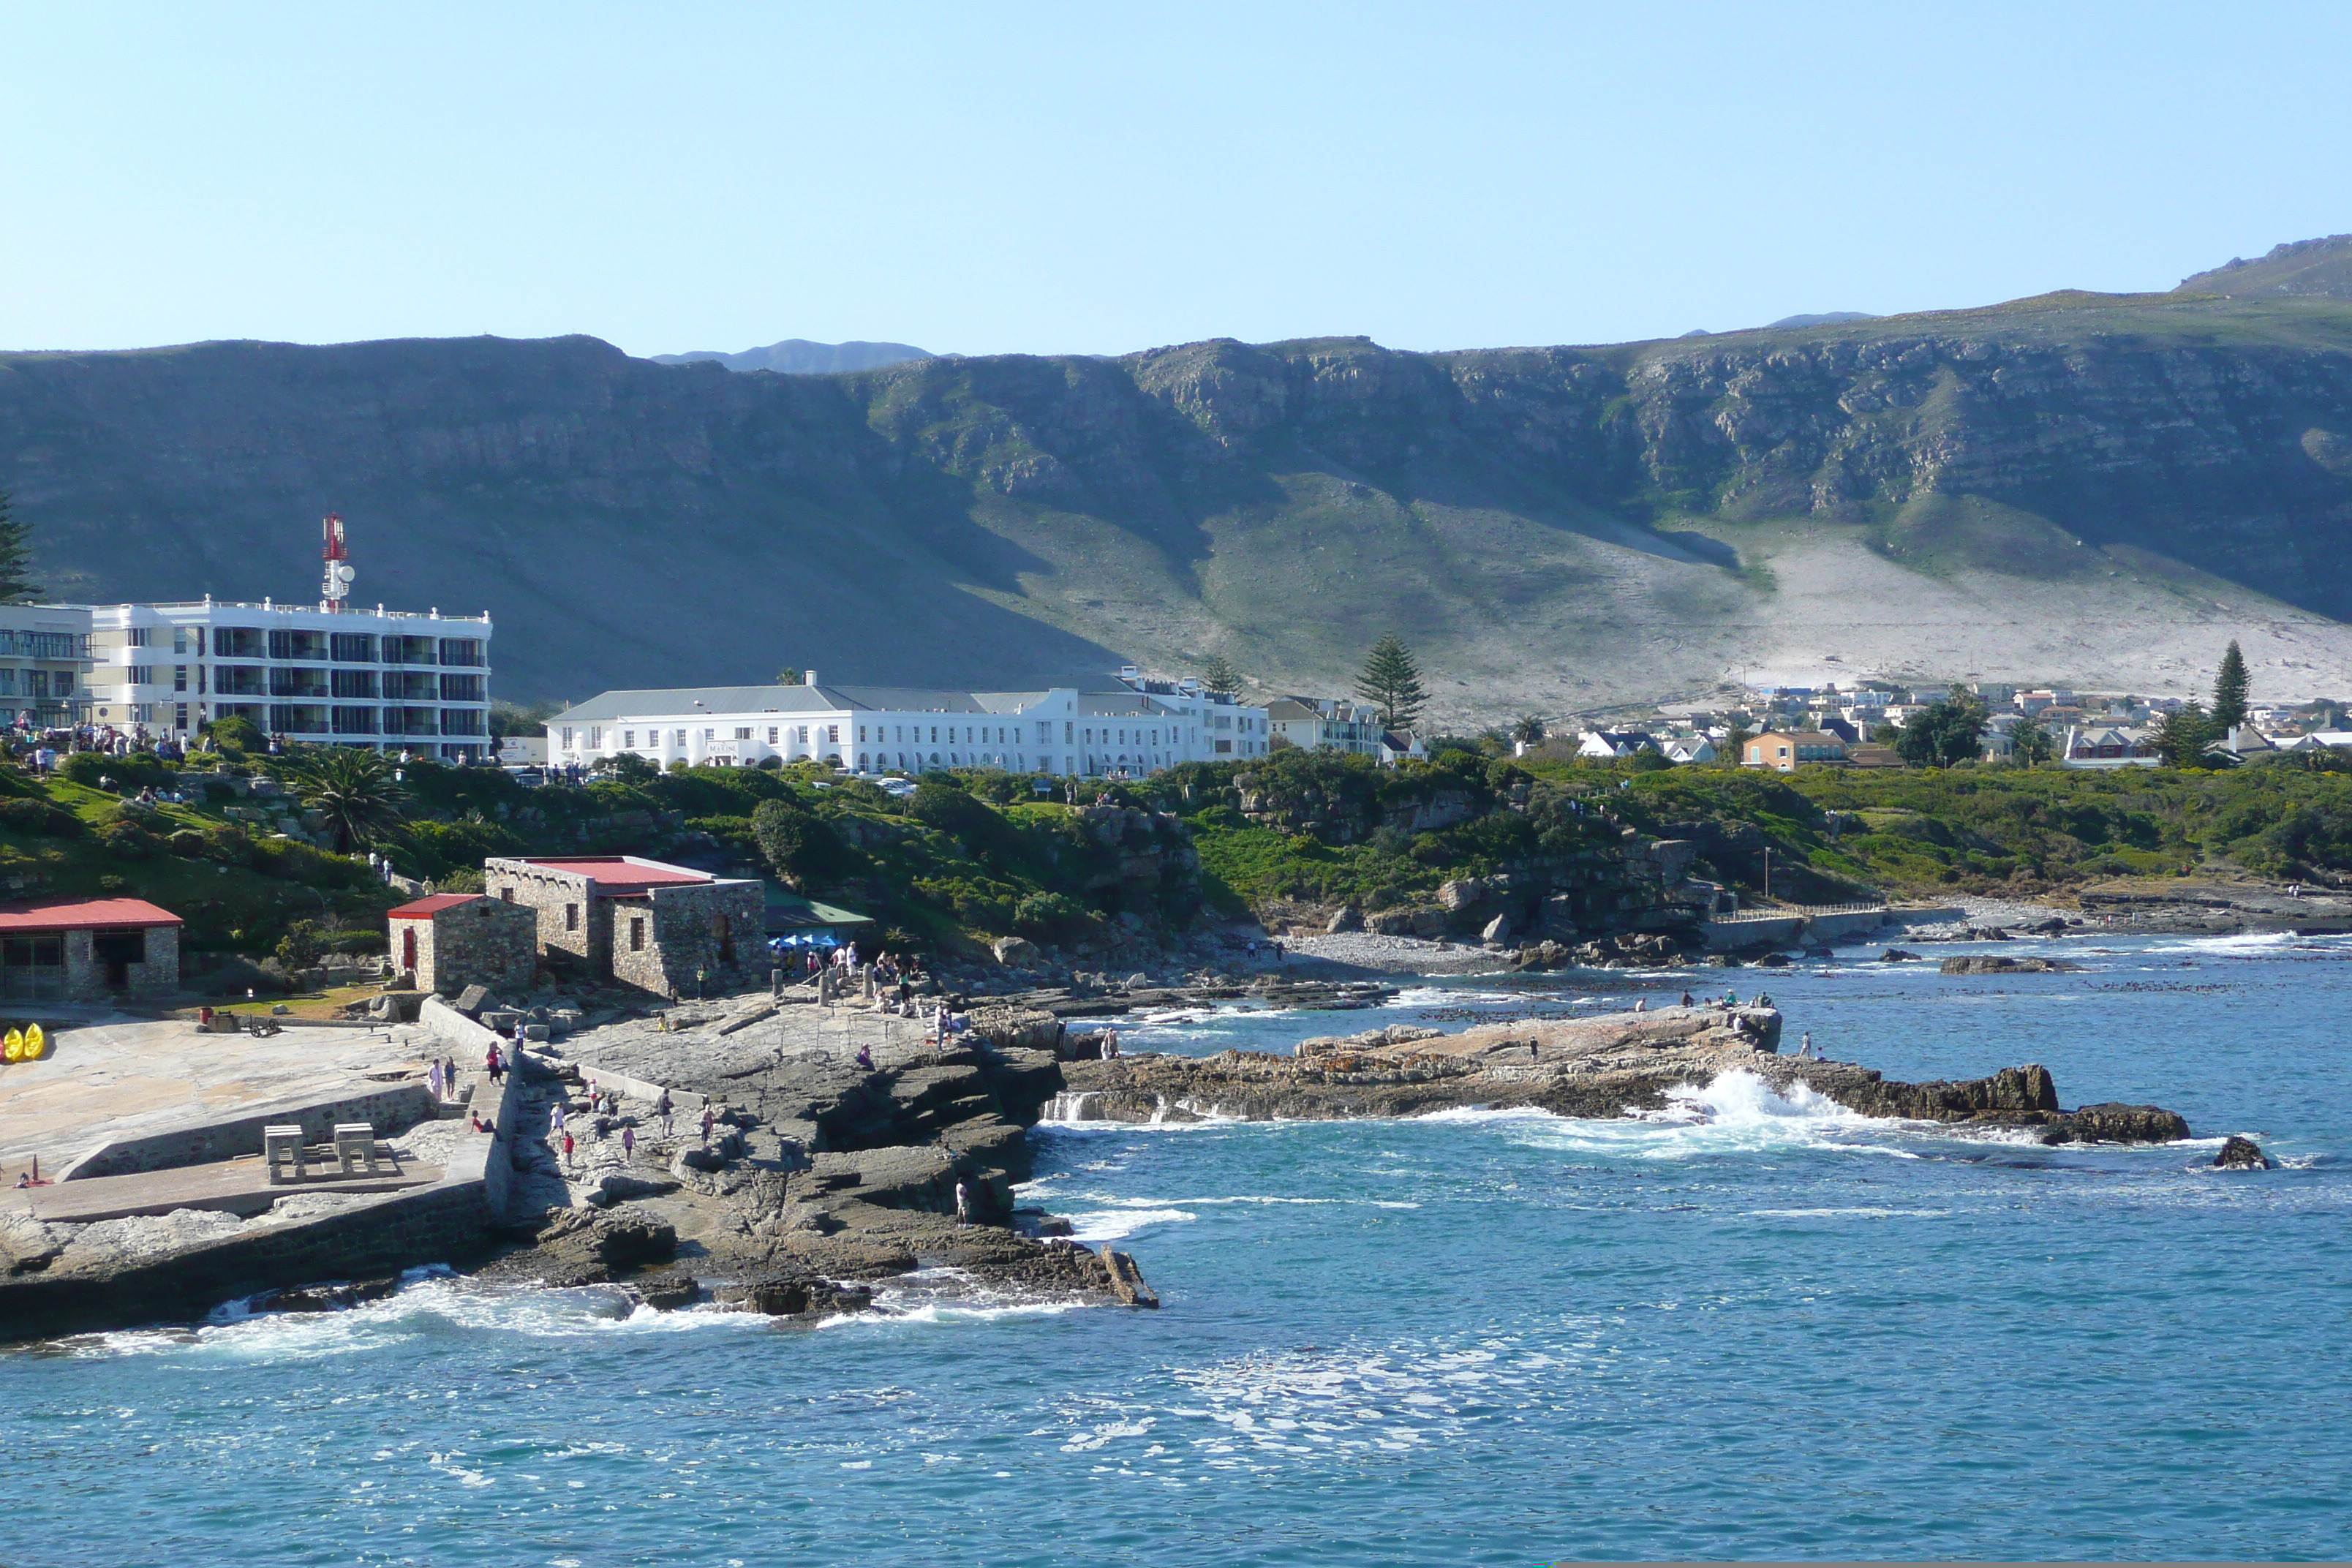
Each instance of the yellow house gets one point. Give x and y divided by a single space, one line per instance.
1782 753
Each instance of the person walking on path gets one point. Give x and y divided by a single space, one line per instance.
709 1121
556 1117
628 1142
433 1079
567 1151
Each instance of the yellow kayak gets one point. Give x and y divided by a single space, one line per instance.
35 1042
16 1045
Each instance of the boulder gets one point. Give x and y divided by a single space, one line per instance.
1497 930
694 1158
1896 955
667 1293
1429 924
2241 1154
1127 1280
1347 918
2112 1122
1392 922
1014 951
1981 963
473 999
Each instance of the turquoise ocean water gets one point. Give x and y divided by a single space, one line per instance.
1746 1328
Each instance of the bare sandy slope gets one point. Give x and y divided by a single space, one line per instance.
1527 617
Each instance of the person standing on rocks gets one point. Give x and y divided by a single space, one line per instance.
964 1203
709 1121
567 1151
433 1079
1110 1045
628 1143
556 1117
495 1064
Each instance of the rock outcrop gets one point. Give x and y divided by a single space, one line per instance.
2241 1154
1600 1067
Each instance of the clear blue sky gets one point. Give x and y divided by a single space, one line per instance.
1096 179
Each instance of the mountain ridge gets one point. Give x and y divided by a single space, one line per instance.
2094 487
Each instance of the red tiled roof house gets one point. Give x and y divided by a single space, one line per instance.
87 949
666 929
451 941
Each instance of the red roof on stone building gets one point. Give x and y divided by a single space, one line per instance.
428 906
81 914
620 873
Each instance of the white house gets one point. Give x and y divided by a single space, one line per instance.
1610 745
1146 727
1690 749
1312 723
417 681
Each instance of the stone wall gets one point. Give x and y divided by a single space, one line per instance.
159 975
564 901
483 941
718 928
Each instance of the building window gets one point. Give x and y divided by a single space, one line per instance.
628 740
772 735
572 916
832 735
566 733
680 741
637 933
595 737
507 894
743 733
861 733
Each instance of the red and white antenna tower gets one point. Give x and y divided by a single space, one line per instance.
337 591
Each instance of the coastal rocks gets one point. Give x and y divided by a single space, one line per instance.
1981 963
1127 1284
1643 950
666 1292
590 1247
2242 1154
1347 918
1014 951
1596 1067
1497 930
339 1296
2111 1122
1896 955
793 1294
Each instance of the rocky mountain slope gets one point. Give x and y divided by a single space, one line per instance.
798 356
2096 488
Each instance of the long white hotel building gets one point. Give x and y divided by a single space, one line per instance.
1146 726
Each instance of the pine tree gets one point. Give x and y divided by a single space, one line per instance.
2229 691
2180 739
1391 682
15 556
1219 675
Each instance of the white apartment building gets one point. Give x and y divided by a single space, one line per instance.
1149 726
43 664
392 679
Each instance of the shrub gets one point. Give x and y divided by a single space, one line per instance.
1052 916
801 846
20 815
354 941
299 948
187 843
127 839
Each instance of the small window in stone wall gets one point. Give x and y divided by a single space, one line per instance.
572 916
637 933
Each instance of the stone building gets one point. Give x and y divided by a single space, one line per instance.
87 949
664 929
451 941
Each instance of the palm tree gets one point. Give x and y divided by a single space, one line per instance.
1528 730
356 791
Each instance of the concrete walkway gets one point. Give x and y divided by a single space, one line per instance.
114 1081
240 1187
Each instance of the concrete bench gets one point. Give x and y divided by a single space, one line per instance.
282 1147
354 1140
